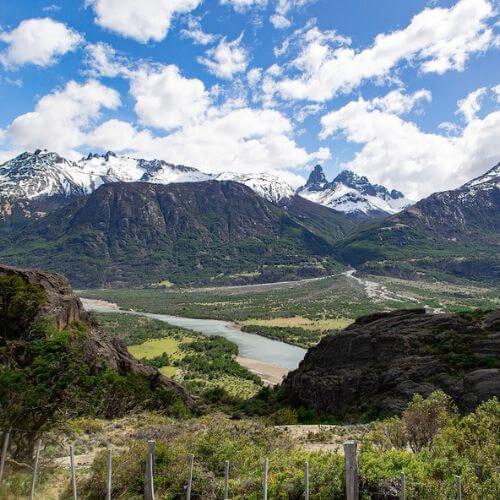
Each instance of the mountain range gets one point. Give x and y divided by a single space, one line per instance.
114 221
33 183
453 232
136 233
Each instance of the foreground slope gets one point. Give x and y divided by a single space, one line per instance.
140 233
375 365
455 233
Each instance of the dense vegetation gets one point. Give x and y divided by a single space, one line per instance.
294 335
43 379
135 329
205 365
430 443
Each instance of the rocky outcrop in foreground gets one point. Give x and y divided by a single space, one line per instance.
63 307
373 367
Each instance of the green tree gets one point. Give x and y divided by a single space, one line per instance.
19 301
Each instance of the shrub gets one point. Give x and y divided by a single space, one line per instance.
424 418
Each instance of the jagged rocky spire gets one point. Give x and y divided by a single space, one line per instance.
317 179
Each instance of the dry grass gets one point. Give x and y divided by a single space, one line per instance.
301 322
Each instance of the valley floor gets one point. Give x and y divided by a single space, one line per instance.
300 312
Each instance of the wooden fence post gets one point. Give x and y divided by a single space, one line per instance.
306 492
73 471
402 493
149 488
459 487
190 477
109 472
351 470
5 448
226 481
264 479
35 468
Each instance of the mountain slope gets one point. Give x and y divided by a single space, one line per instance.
139 233
455 232
352 194
322 221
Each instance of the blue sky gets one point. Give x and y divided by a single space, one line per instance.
405 92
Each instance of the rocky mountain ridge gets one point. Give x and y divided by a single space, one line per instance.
352 194
31 184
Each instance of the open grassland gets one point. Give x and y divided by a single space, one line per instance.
337 297
153 348
321 325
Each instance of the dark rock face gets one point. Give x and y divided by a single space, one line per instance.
317 180
374 366
62 307
98 349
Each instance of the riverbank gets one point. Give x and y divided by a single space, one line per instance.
269 373
262 363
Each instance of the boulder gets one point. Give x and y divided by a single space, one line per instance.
375 366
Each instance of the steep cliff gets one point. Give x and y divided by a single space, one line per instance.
61 308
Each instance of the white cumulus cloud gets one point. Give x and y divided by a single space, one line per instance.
399 103
227 59
243 5
436 40
398 153
60 119
37 41
103 61
470 105
178 120
142 20
280 19
165 99
195 32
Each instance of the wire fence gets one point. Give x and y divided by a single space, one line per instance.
354 489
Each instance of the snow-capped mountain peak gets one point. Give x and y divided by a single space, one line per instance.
44 174
110 167
352 194
492 177
41 173
270 187
317 179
